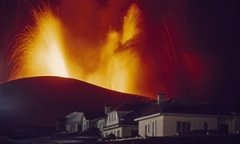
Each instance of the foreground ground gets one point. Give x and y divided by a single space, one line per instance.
152 140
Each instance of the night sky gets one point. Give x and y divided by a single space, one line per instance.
190 46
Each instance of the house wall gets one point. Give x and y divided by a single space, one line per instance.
101 123
197 123
74 122
236 123
112 123
145 127
85 124
232 123
112 118
167 125
72 127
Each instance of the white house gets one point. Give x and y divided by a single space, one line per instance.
178 117
74 122
101 122
155 119
120 121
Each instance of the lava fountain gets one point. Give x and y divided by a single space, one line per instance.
39 51
119 61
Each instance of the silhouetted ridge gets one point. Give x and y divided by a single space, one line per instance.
39 101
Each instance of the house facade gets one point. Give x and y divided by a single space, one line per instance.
87 123
74 122
120 123
101 123
176 124
172 118
154 119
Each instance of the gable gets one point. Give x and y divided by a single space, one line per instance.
74 117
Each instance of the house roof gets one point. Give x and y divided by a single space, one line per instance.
137 112
181 107
174 107
74 114
133 112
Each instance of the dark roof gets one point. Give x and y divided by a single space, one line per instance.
183 107
91 115
138 112
174 106
129 108
134 110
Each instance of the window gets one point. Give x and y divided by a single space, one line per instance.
145 130
155 128
188 127
110 118
153 132
178 127
205 126
183 127
118 133
148 128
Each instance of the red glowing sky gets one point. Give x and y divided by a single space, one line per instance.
182 49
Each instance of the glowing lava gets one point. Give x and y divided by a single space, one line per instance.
40 51
115 66
119 63
130 25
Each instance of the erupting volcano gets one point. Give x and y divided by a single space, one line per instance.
135 47
59 56
115 64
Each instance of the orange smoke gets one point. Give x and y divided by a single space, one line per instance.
114 65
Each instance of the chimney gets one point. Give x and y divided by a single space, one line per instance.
107 109
161 97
